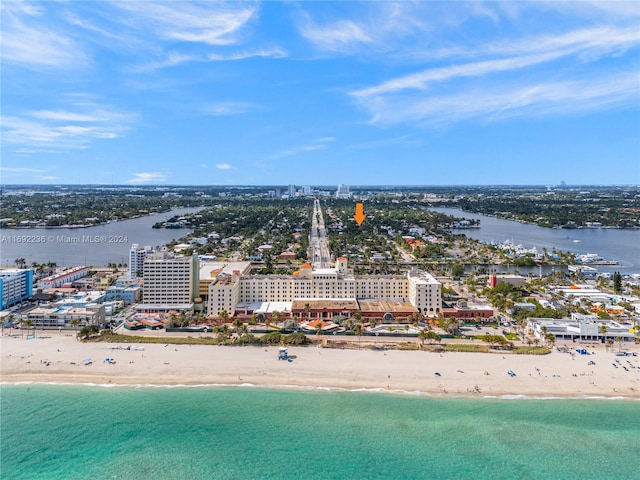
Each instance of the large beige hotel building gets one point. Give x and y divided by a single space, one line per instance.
176 282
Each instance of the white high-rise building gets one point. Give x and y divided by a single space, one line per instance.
136 259
169 282
15 285
292 191
343 191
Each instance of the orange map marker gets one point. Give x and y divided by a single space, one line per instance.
359 216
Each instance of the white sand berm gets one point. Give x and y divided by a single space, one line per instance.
59 358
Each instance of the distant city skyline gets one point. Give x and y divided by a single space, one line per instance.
320 93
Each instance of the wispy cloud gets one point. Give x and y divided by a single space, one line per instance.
589 44
223 166
267 52
228 108
403 140
336 36
369 27
318 144
21 170
522 80
212 23
147 177
28 40
171 59
63 129
509 101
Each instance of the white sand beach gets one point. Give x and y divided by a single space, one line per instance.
60 359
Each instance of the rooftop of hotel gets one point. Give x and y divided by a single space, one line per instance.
325 303
374 305
421 277
209 270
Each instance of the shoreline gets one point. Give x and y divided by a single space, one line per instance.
318 388
60 360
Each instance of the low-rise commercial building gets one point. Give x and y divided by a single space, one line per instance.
63 278
54 316
581 327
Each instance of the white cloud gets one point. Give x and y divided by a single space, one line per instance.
403 141
608 90
337 36
318 144
272 52
28 40
212 23
21 170
204 165
589 44
228 108
147 177
39 131
223 166
171 59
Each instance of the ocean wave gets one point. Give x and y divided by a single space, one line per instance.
328 389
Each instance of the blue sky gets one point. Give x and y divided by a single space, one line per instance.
320 93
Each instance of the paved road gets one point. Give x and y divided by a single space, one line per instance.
318 243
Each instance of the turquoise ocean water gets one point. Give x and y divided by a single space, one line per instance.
91 432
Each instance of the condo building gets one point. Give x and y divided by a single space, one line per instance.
16 285
136 259
170 282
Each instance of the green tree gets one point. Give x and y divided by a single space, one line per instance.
358 330
457 270
26 324
617 282
74 323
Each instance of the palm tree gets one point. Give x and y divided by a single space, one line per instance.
224 316
609 343
431 335
237 323
74 323
25 323
9 320
603 331
275 316
358 330
422 335
543 329
319 328
551 340
307 309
